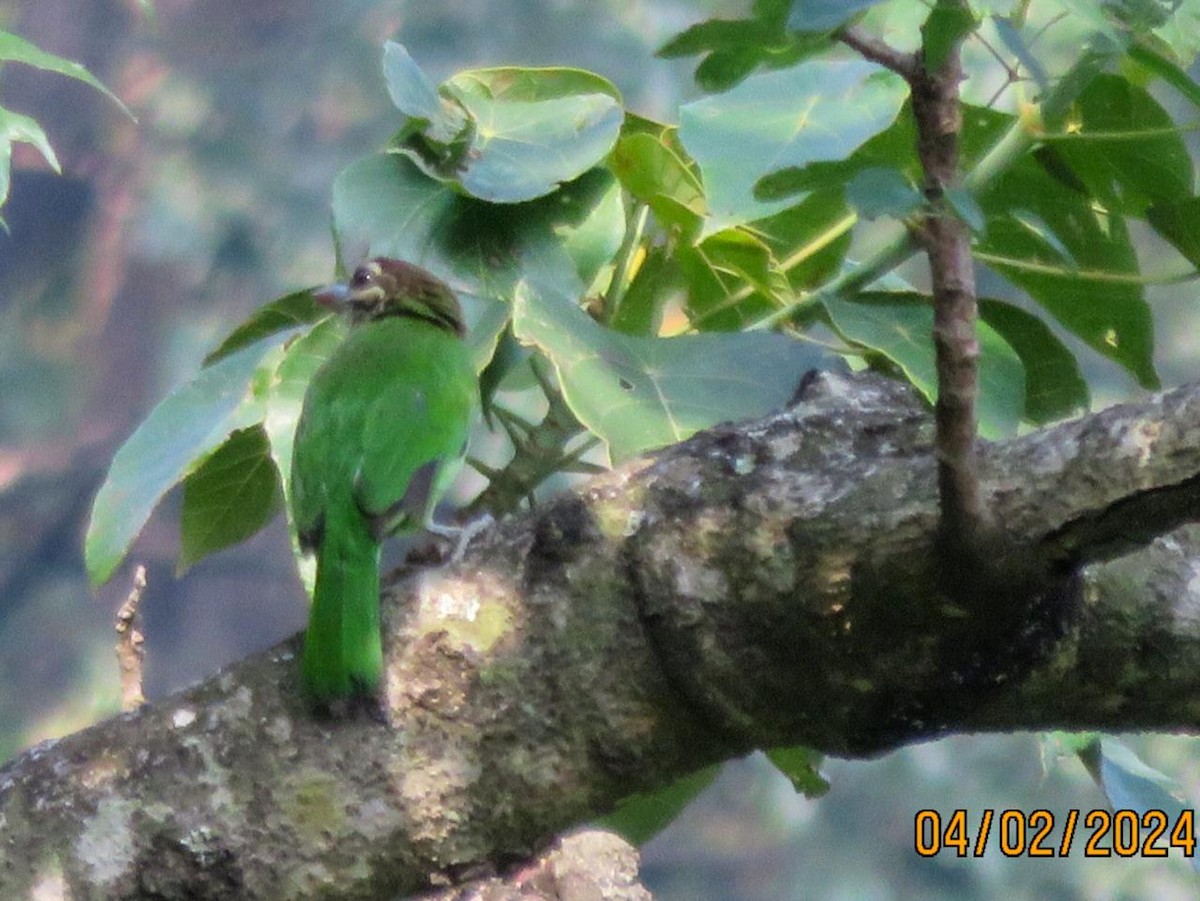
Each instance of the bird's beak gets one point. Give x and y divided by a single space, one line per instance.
332 296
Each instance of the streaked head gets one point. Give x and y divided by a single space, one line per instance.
383 287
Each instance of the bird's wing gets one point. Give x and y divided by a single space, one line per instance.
415 430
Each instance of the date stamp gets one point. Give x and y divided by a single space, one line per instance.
1042 833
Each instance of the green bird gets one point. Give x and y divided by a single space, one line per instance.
381 436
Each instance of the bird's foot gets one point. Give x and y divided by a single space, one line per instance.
462 535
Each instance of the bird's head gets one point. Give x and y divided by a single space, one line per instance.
384 287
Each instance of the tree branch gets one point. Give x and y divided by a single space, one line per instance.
763 584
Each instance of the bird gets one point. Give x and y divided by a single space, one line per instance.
382 433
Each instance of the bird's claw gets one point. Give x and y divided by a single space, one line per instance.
462 535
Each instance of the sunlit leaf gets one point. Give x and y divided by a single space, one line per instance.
731 280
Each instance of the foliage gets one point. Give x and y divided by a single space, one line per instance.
15 126
629 270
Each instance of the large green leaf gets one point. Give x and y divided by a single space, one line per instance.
900 327
504 135
387 203
230 497
172 442
639 393
1054 385
1075 260
1124 148
809 113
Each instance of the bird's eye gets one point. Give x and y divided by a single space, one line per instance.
362 277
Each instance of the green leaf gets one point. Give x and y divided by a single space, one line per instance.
1169 71
639 393
736 47
967 208
947 25
233 494
716 34
1123 147
639 817
823 15
386 203
171 443
18 50
651 171
657 279
802 767
289 380
879 191
900 326
1054 385
1012 38
593 242
17 127
291 310
718 269
1129 784
1179 223
1071 259
809 239
813 112
1181 33
504 135
411 92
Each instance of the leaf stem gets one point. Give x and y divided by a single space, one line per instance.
620 277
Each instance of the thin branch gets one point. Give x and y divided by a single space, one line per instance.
880 51
937 109
130 646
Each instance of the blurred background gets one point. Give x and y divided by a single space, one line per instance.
118 276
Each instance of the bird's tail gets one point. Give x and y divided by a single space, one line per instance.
342 652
